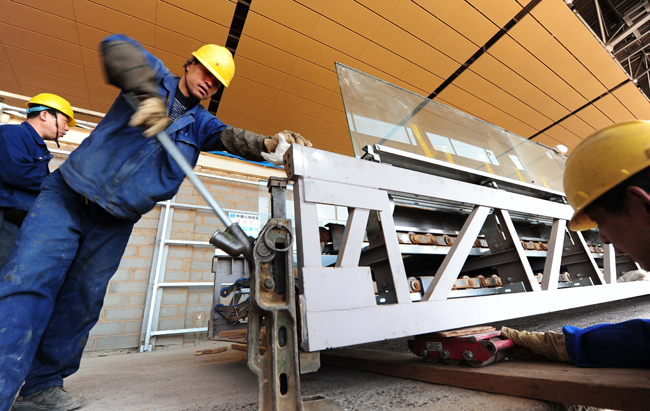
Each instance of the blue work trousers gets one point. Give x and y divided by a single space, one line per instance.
623 345
8 234
52 287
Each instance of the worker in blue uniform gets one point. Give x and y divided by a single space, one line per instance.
53 285
607 181
24 160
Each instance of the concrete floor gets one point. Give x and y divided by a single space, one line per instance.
178 380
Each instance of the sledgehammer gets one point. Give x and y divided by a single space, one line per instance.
233 240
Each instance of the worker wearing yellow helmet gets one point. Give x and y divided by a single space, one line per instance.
607 182
24 159
73 238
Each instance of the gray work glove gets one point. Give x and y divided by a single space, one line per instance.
127 68
151 115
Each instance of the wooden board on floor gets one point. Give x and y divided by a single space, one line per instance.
464 331
211 351
615 388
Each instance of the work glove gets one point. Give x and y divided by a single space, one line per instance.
635 275
549 344
151 115
290 137
277 156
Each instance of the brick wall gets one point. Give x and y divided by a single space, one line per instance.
121 318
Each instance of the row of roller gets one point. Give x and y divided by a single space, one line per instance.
466 282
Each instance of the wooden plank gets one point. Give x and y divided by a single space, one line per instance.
244 347
614 388
464 331
211 351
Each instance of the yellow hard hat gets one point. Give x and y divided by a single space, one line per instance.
601 162
218 60
55 102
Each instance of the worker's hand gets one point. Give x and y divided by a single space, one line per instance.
290 136
277 156
151 115
549 344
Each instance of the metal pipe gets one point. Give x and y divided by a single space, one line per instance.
612 43
181 331
156 276
190 284
600 21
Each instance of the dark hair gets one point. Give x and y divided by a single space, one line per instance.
34 114
613 201
190 61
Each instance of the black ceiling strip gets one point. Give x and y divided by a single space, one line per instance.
236 29
580 108
522 13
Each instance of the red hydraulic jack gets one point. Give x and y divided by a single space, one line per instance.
476 350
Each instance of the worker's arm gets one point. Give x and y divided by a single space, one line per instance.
134 70
19 168
246 144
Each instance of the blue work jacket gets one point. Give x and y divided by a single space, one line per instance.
126 173
24 160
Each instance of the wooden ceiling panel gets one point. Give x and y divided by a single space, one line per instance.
564 136
317 138
578 126
572 100
259 72
39 43
594 117
3 56
509 52
564 64
582 44
591 88
351 14
614 109
324 55
378 56
7 73
30 91
61 8
473 25
306 90
632 98
513 125
11 87
272 126
318 75
382 7
457 96
336 102
91 37
140 9
299 104
175 43
48 82
247 103
112 21
91 59
275 34
500 12
530 34
266 54
554 15
412 18
173 62
96 106
37 62
38 21
331 129
443 10
316 5
234 116
286 12
424 79
544 104
290 117
102 95
399 41
97 78
339 38
454 45
612 75
437 63
333 116
191 25
260 91
218 11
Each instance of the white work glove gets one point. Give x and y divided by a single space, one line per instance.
151 115
635 275
277 157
